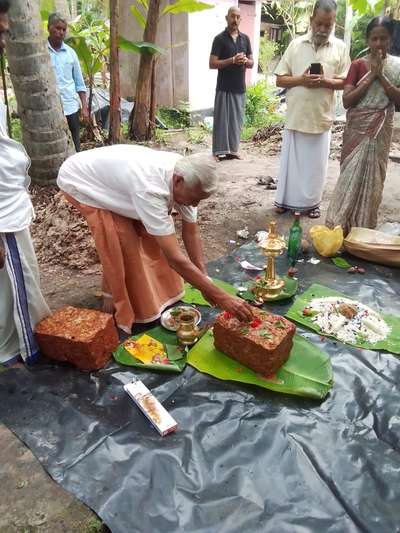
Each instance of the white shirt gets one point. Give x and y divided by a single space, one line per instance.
129 180
16 210
312 110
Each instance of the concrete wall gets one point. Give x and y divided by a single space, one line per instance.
250 14
172 72
203 27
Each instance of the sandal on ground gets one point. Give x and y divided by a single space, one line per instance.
314 213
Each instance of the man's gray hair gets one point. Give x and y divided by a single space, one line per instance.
198 169
54 18
324 5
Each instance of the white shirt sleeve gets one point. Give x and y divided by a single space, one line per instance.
152 211
187 212
284 67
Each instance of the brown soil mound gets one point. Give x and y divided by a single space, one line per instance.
60 234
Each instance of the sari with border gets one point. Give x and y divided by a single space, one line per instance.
365 153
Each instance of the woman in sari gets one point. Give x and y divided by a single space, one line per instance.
370 94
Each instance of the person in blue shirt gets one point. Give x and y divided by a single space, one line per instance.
69 77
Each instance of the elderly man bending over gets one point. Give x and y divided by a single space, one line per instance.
127 193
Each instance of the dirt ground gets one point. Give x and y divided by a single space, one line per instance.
29 500
240 202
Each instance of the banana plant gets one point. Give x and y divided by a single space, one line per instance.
147 15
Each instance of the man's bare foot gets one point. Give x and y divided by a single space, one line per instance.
217 158
108 305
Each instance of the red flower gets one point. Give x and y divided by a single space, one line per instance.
258 277
255 323
227 314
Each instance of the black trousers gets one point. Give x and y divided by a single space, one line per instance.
73 124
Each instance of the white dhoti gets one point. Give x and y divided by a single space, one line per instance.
303 167
22 304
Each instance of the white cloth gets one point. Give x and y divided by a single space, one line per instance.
303 166
129 180
22 304
16 211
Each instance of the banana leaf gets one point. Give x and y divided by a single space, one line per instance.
194 296
308 371
390 344
289 290
177 358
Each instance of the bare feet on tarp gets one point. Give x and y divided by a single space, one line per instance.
314 213
108 305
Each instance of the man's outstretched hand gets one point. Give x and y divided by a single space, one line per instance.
238 307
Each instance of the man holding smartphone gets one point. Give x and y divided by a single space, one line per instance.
231 54
313 67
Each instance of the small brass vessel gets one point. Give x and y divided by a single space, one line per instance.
187 331
271 285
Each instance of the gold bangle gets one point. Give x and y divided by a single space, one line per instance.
233 60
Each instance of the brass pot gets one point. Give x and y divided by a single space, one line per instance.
187 331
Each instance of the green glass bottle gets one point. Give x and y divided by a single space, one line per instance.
294 243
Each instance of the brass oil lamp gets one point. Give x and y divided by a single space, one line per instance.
271 285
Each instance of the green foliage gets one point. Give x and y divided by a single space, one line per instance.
185 6
138 47
268 52
247 133
160 136
16 129
261 106
358 37
175 117
90 38
140 9
295 14
140 18
196 135
370 7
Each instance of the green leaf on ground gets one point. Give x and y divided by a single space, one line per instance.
307 372
340 262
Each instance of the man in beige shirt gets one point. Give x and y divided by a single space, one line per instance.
313 67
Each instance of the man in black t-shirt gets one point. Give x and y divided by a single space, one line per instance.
231 54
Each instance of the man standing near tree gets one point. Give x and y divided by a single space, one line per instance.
231 54
69 77
313 67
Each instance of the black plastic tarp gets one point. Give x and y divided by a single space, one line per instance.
243 458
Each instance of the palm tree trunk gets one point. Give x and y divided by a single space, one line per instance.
140 116
115 89
45 132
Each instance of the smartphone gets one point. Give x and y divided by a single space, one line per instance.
315 68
